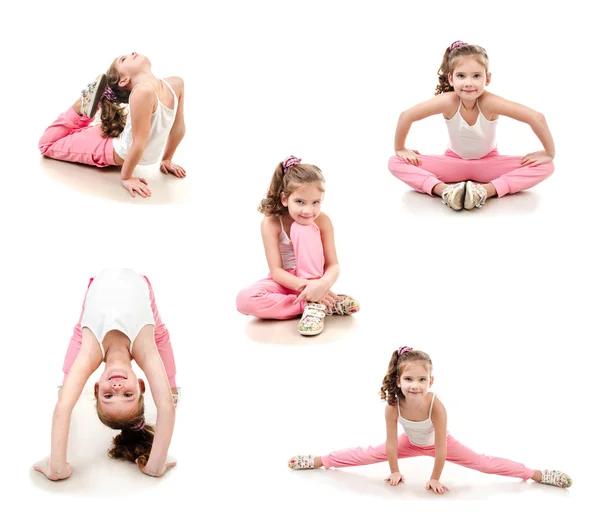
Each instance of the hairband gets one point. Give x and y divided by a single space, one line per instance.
457 44
402 350
110 95
289 162
139 426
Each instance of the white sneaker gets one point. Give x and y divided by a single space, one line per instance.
313 319
91 95
475 195
556 478
453 196
302 462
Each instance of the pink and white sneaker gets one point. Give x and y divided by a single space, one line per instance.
302 462
556 478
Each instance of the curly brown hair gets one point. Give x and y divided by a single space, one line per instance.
390 391
451 57
114 115
133 443
286 183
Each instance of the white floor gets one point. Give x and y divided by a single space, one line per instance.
503 298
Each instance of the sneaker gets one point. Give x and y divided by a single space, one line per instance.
175 396
475 195
347 306
90 96
312 321
556 478
302 462
454 195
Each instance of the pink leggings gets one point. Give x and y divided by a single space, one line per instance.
505 173
71 138
269 300
456 453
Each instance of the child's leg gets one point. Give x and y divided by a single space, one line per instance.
366 456
268 300
308 249
434 170
71 138
461 455
506 173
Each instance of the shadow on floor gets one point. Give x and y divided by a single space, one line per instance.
105 183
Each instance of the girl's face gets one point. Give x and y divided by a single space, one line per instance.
469 79
130 65
304 204
118 390
415 380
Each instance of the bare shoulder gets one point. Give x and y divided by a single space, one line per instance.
270 225
391 412
176 82
323 221
449 103
142 95
438 408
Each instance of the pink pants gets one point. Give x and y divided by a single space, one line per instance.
71 138
269 300
456 453
505 173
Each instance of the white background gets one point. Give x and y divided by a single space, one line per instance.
504 299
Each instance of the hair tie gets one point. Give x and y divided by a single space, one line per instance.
139 426
110 95
402 350
457 44
289 162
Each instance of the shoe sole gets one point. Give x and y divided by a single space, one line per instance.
310 333
100 88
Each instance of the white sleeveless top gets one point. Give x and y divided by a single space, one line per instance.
288 258
420 433
117 299
160 127
471 142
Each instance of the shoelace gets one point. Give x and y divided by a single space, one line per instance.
482 193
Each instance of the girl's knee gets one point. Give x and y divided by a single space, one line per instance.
245 299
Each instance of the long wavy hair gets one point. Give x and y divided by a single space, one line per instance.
451 58
390 391
113 115
286 183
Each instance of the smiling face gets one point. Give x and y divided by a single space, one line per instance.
118 391
415 380
469 78
304 204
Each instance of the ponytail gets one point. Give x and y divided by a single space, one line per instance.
112 113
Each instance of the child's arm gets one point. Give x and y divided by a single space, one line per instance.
391 444
440 421
439 104
496 105
140 112
177 132
270 229
87 361
151 364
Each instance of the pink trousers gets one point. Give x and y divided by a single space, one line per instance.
456 453
71 138
269 300
505 173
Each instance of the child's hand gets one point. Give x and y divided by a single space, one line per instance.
329 299
395 478
436 486
52 473
167 166
158 471
313 291
536 158
137 185
409 155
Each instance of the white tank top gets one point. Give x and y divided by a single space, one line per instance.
160 127
471 142
288 258
420 433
